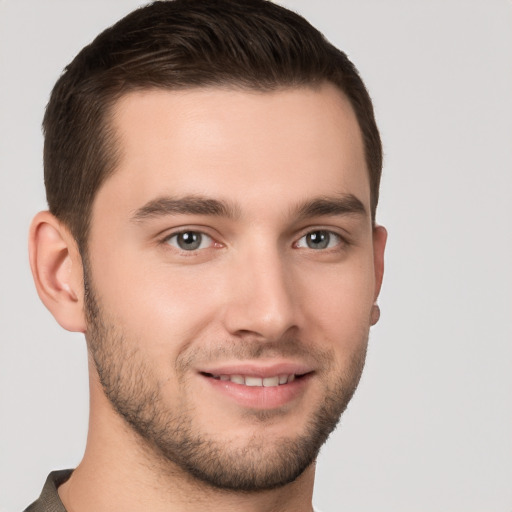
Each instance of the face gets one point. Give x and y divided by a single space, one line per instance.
232 267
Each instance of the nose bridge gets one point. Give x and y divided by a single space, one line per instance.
262 300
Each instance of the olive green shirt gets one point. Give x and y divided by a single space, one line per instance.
49 500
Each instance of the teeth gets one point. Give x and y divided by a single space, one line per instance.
277 380
253 381
271 381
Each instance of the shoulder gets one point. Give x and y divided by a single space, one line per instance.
49 500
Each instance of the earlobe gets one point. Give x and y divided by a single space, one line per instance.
57 270
375 314
380 236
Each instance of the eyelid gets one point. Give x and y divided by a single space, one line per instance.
201 230
343 240
205 239
166 233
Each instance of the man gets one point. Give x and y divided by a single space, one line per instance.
212 173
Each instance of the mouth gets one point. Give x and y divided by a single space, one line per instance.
259 387
252 381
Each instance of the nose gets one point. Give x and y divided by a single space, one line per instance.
262 301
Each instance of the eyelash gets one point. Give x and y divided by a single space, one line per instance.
195 232
340 244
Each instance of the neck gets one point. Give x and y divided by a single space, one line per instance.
119 471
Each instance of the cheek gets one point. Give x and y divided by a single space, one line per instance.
159 307
338 301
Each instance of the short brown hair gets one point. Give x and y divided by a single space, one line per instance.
252 44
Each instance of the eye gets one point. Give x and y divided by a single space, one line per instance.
320 239
190 240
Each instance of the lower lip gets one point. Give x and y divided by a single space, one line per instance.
260 397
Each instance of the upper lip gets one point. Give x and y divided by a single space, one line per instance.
258 369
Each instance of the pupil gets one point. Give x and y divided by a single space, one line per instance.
189 240
318 240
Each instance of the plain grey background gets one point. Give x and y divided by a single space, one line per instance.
430 428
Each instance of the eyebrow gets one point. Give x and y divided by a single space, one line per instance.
188 205
343 204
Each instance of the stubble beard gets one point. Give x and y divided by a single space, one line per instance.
169 432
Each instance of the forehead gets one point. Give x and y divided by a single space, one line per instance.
237 145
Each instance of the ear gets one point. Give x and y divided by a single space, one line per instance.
57 270
380 235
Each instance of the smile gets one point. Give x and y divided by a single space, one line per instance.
247 380
259 386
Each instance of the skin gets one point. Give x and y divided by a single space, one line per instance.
254 293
